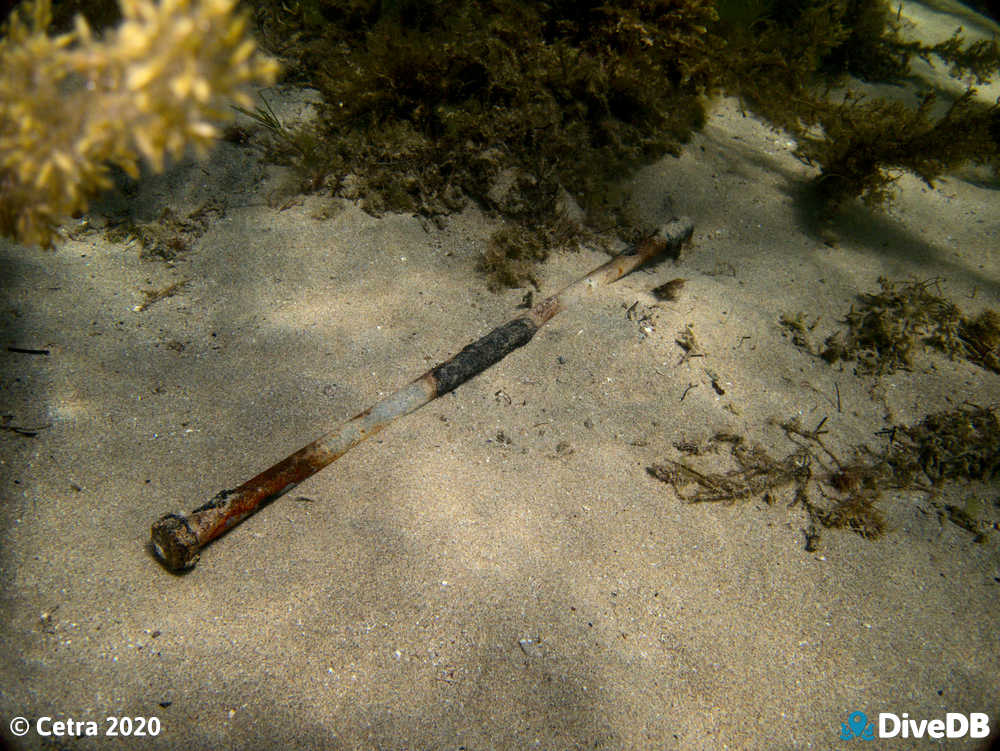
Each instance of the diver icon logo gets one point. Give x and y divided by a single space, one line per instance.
857 726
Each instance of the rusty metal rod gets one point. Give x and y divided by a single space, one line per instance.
178 538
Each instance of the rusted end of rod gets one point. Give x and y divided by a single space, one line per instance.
177 538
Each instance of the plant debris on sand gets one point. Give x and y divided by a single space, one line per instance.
884 330
963 444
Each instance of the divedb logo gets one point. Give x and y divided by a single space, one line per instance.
954 725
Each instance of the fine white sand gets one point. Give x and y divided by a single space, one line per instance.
497 570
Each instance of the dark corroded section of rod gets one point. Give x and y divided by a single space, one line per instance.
479 355
177 538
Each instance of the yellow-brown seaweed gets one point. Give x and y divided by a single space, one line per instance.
72 104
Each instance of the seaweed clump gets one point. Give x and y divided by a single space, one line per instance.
863 144
787 57
962 444
431 104
886 328
169 236
519 107
511 257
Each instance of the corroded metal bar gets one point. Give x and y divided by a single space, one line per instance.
177 538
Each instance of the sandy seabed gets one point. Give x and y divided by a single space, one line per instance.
497 570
